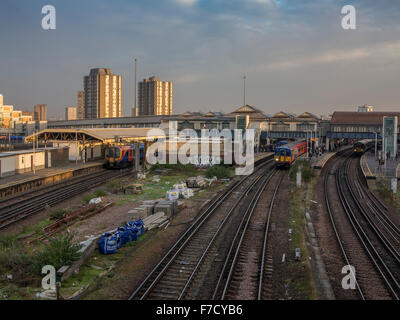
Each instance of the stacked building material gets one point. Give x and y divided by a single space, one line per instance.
158 219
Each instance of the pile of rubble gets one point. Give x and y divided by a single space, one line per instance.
199 182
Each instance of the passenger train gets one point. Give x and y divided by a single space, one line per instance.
287 154
360 147
122 156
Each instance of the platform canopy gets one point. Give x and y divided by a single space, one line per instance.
99 135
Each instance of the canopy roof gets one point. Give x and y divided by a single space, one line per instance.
97 135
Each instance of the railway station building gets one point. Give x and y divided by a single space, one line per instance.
87 145
358 125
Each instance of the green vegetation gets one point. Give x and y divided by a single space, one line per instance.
114 185
58 214
100 193
97 264
307 172
300 283
219 171
97 194
185 169
384 190
36 228
25 264
60 251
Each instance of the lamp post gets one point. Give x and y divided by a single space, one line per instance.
34 152
135 112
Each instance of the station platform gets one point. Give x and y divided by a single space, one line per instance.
319 163
19 183
262 155
372 170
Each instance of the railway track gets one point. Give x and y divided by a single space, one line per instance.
382 252
182 271
19 208
242 277
362 233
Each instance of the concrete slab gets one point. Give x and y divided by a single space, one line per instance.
372 170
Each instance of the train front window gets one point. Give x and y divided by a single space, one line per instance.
113 152
282 153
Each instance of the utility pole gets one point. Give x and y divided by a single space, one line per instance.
135 112
244 90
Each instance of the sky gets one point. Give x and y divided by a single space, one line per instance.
295 53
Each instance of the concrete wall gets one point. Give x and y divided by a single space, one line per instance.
7 165
72 149
57 157
23 161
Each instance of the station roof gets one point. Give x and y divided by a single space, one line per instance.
253 112
361 118
96 135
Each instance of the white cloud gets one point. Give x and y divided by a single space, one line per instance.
336 56
186 2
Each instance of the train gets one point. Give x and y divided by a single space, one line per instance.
118 157
281 143
12 138
287 154
360 147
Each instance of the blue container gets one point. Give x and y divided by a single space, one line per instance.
140 225
109 243
125 235
133 230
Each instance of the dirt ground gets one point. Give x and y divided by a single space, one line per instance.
139 260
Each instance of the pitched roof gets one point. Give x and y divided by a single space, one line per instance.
361 118
307 115
281 114
253 112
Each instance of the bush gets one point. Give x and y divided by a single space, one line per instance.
15 260
218 171
99 193
113 186
184 168
307 172
58 214
384 190
88 197
7 240
60 251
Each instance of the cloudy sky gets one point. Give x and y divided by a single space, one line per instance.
295 53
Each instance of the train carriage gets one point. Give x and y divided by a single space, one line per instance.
287 154
360 147
122 156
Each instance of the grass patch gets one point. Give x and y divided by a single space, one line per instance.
87 273
219 171
301 283
185 169
384 190
36 228
153 191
